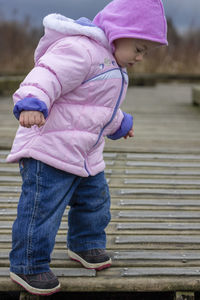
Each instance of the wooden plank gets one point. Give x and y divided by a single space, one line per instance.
158 226
9 200
136 228
4 255
159 202
74 272
111 245
130 214
110 155
110 163
5 238
143 239
9 189
13 212
161 272
156 255
106 281
126 239
108 171
150 156
9 170
162 172
65 272
150 256
2 160
6 225
135 255
159 156
157 239
10 179
4 152
171 182
8 212
180 192
162 182
163 164
129 228
118 203
142 214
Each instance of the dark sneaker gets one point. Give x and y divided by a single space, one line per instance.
96 259
39 284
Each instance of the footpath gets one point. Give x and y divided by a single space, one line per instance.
154 179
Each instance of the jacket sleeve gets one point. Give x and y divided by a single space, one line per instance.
60 70
125 126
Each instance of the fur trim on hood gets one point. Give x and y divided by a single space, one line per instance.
58 26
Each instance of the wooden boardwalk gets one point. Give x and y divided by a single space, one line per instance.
154 179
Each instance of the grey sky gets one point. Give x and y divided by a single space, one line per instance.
184 13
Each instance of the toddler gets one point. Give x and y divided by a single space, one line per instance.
66 106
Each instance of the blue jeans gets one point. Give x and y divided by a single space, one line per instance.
46 192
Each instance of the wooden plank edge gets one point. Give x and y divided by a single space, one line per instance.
144 284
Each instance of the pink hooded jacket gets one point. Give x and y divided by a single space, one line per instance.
79 87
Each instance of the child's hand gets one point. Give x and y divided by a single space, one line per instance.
129 134
30 118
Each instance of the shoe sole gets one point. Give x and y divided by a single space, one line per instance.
98 266
32 290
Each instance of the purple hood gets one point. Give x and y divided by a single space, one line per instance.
141 19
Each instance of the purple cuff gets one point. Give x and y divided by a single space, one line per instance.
30 103
126 126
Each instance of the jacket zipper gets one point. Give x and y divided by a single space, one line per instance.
115 109
113 115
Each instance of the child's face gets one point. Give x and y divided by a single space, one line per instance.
130 51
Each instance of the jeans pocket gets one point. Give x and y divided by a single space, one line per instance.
23 166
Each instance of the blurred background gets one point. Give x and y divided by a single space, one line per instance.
21 28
